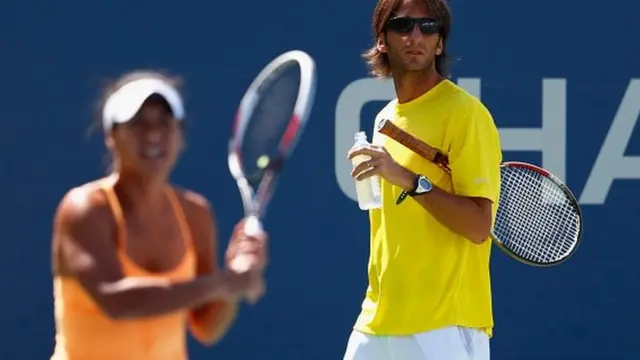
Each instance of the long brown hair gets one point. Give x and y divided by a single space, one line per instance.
378 62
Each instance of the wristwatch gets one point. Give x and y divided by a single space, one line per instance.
422 185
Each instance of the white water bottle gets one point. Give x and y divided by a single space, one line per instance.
368 190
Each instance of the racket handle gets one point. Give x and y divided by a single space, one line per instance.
241 263
252 227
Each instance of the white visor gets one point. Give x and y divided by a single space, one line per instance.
124 104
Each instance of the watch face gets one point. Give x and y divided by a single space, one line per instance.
424 184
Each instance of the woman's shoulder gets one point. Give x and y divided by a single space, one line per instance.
199 214
85 202
192 201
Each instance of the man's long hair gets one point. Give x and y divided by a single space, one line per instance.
378 62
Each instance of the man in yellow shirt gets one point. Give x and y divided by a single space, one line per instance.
429 293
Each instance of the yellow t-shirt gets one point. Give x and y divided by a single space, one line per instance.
422 276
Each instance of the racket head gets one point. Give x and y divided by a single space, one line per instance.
268 124
539 221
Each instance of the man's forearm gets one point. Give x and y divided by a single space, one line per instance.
460 214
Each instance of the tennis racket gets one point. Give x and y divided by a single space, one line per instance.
538 221
268 124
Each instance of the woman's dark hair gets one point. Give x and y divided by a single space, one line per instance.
378 62
114 85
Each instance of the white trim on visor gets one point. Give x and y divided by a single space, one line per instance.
123 104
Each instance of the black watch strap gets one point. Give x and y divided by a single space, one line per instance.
404 194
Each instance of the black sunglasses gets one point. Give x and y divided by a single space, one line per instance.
404 24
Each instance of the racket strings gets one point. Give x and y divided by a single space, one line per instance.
267 121
536 219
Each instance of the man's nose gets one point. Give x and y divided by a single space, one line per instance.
414 36
416 33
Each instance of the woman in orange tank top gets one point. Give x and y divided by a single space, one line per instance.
134 257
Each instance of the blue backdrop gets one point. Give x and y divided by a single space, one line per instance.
558 76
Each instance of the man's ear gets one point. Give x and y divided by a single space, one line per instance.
381 44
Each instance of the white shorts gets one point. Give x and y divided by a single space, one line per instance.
450 343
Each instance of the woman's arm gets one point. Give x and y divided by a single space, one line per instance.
84 249
211 321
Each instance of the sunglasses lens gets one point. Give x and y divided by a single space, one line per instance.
429 27
400 24
406 24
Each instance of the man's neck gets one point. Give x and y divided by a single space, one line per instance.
141 194
411 85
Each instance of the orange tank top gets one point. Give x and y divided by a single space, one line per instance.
84 332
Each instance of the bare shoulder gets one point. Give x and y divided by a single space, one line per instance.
83 220
194 203
83 205
200 216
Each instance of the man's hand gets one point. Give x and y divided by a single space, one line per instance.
381 164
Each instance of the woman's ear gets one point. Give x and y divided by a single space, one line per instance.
109 142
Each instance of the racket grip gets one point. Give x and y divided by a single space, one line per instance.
241 263
252 227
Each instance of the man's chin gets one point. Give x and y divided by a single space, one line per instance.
419 67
